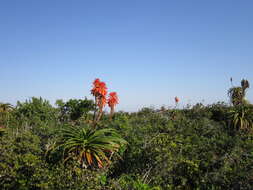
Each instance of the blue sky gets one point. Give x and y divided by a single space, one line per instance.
147 51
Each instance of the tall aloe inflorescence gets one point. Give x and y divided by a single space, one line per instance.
92 147
99 91
112 101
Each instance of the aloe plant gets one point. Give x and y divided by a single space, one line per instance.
89 146
5 107
237 94
242 117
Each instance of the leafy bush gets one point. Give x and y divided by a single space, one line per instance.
74 109
35 111
127 182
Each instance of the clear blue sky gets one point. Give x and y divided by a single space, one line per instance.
149 51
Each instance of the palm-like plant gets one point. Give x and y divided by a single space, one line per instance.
5 107
237 94
90 146
242 117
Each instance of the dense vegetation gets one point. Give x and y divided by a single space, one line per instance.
75 146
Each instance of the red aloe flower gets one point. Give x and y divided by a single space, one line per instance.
113 99
99 88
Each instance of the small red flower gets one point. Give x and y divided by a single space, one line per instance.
176 99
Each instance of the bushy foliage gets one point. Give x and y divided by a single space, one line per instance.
202 147
74 109
189 151
35 111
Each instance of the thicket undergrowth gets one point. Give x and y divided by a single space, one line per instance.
76 146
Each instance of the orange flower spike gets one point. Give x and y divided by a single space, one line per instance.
176 99
113 99
99 90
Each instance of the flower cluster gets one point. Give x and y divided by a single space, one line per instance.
99 90
113 99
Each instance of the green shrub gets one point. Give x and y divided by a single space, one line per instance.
74 109
193 148
241 117
35 111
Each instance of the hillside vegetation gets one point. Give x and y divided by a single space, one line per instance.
75 145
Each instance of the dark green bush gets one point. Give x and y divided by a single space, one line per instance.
74 109
33 112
